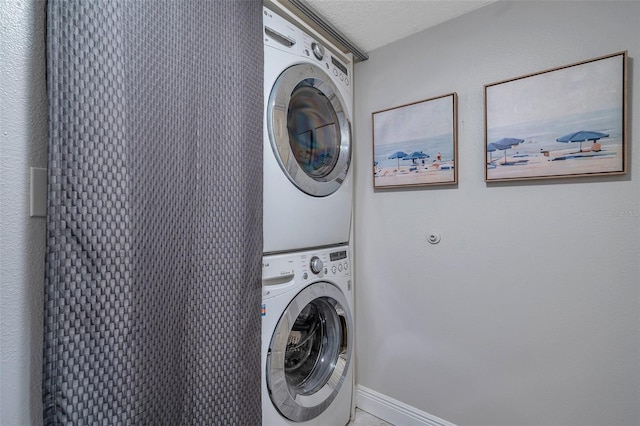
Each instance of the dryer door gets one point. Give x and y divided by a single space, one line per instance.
309 129
310 352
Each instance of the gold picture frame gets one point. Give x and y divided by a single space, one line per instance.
416 144
568 121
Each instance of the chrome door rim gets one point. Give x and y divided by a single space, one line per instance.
277 110
305 407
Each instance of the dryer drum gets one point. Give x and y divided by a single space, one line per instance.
309 129
314 131
310 352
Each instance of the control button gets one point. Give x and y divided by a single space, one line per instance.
316 265
318 50
346 266
305 276
333 269
340 267
346 80
341 77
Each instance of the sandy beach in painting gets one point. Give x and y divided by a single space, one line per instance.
556 163
413 175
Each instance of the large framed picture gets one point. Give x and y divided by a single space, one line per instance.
416 144
564 122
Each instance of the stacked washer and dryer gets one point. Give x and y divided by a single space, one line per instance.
307 295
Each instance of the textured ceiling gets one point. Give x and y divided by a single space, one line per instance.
370 24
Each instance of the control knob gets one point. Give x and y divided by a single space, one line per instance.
316 265
318 50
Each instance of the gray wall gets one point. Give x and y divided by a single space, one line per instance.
527 312
23 144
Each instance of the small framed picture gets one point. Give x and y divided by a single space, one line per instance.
416 144
564 122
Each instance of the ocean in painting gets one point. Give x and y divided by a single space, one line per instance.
431 146
541 135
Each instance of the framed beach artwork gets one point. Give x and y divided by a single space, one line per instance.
416 144
564 122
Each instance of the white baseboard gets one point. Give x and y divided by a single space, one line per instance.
393 411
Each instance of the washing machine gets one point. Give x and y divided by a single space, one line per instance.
307 338
307 138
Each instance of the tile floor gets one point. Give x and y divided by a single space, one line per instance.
365 419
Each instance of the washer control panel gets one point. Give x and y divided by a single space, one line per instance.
282 271
325 264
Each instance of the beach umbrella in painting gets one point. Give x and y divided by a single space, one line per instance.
398 155
415 155
503 145
582 136
490 149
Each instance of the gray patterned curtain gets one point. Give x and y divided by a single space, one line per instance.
154 228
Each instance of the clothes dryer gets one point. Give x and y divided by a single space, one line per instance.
307 139
307 338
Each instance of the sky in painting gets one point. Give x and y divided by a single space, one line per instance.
579 89
430 118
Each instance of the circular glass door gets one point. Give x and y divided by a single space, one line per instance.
310 352
309 129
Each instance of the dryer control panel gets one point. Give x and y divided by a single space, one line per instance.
316 51
281 34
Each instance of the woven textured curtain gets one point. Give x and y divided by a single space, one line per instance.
154 228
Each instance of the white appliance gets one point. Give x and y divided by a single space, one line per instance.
307 338
307 139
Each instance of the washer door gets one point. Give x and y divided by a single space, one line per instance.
309 129
310 352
